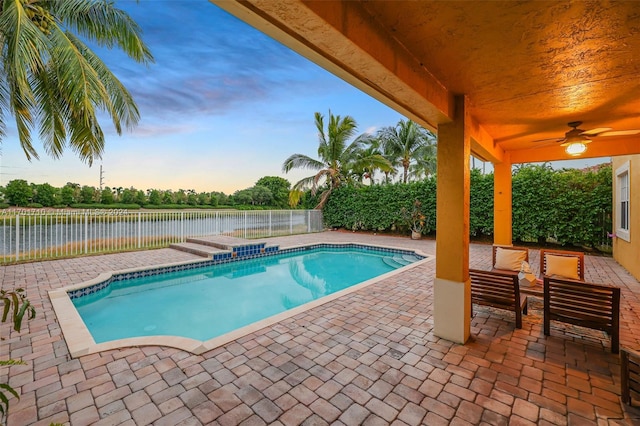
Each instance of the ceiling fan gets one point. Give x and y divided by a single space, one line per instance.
575 140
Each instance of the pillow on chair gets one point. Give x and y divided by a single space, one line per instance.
562 266
509 259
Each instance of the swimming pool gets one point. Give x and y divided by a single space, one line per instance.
199 304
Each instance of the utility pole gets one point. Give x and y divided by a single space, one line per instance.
101 177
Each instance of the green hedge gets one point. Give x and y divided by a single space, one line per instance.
563 206
377 208
98 206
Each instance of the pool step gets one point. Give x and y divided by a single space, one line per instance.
409 258
221 247
400 260
392 262
239 247
219 241
197 249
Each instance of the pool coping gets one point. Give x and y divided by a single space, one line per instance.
80 341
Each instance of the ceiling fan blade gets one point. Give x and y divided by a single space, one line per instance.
595 132
549 140
620 133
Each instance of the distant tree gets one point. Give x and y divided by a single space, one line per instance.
243 197
261 196
76 189
203 199
53 82
140 199
223 199
168 197
87 194
106 196
180 196
279 188
155 197
45 194
128 195
18 192
68 194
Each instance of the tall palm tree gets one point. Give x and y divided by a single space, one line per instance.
51 80
337 158
405 143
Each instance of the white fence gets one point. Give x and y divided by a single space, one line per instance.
34 235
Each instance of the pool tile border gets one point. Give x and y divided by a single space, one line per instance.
79 339
219 259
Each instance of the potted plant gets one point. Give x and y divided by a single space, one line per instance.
415 219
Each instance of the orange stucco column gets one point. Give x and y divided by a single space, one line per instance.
451 287
502 203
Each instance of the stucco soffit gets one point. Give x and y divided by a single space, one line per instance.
342 38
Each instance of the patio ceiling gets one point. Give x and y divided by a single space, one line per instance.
526 68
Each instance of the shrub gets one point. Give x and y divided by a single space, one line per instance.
565 206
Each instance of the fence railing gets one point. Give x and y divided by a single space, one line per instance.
35 235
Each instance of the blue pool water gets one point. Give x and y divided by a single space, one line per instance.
207 302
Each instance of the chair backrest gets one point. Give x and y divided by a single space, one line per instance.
496 289
563 253
495 249
595 306
629 375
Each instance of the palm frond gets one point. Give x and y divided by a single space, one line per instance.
117 101
55 82
51 112
23 43
303 183
301 161
374 161
102 22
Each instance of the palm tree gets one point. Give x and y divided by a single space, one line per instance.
337 160
51 80
405 143
368 156
425 164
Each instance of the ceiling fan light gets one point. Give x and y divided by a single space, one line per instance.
575 148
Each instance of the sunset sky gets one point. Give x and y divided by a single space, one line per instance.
222 106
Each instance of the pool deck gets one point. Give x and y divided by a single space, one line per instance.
369 357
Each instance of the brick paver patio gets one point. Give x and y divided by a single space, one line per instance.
367 358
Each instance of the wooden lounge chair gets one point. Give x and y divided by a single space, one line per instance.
498 290
560 260
516 256
594 306
629 375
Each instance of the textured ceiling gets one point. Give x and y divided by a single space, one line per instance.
528 68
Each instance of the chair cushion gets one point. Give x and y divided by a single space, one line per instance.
562 266
510 260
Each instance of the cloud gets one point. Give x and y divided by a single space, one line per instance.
207 62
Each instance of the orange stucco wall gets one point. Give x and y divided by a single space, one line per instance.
627 253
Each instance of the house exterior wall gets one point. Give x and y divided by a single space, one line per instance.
626 251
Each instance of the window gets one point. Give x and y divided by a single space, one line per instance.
622 202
